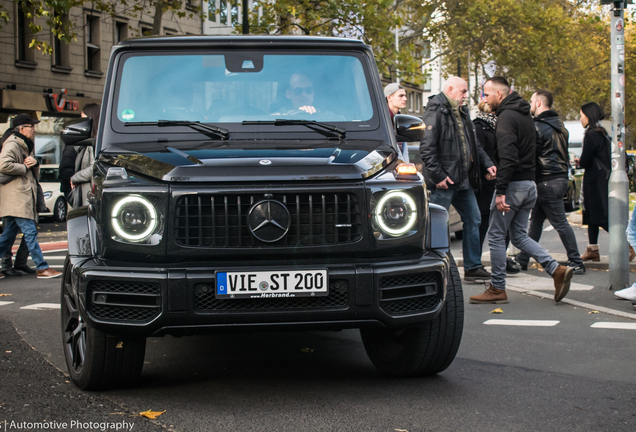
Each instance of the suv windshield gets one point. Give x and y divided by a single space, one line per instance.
242 86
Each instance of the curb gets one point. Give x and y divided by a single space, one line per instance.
47 247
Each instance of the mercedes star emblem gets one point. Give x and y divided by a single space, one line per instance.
268 221
265 162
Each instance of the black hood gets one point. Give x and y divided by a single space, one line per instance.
250 161
514 102
552 118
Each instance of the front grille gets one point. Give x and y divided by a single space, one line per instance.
136 302
205 301
410 294
220 220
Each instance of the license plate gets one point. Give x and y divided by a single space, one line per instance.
278 284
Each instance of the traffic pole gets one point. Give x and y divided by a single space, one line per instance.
618 201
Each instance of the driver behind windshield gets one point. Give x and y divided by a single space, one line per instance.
301 95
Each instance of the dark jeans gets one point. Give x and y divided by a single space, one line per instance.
29 231
520 196
550 205
465 203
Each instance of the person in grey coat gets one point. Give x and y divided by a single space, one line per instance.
85 158
18 198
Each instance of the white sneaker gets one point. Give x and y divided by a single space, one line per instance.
627 293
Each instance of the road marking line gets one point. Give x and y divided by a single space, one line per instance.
615 325
541 284
528 323
42 306
4 303
54 256
608 311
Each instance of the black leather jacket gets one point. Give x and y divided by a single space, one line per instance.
552 146
441 147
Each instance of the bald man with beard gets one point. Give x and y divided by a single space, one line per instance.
454 165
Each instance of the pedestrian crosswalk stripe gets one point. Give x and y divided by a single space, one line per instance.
4 303
528 323
42 306
615 325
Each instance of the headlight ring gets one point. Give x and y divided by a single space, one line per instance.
134 218
396 213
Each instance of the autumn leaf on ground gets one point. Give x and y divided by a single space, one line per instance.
307 350
4 295
497 311
151 414
593 312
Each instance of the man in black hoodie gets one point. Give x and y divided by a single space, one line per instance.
552 179
516 192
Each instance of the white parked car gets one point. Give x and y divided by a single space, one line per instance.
54 198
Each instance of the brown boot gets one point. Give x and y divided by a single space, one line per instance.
591 253
632 253
562 277
491 295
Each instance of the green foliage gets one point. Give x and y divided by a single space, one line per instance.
556 45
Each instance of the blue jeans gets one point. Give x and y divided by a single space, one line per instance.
550 204
465 203
520 196
631 230
30 233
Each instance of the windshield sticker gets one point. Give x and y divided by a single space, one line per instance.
371 162
128 114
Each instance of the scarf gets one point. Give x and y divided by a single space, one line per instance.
489 118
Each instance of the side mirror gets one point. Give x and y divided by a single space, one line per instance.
77 130
409 128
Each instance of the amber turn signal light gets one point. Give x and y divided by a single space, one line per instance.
406 169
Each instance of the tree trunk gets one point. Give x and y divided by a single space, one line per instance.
156 25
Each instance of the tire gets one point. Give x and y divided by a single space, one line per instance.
95 360
425 350
459 234
59 210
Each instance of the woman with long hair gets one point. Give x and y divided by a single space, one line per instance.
596 160
85 158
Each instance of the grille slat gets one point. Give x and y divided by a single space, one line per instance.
221 220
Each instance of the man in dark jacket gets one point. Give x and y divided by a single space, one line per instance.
516 192
551 179
452 161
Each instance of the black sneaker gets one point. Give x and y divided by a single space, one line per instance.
512 267
522 266
477 274
578 269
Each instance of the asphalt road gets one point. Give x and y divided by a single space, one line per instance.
564 369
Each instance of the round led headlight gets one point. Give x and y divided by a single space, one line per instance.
134 218
396 213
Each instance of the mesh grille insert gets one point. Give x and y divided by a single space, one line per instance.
410 294
117 313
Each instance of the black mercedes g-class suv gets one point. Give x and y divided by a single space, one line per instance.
253 183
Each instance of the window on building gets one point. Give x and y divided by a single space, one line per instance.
426 50
145 30
427 84
169 31
61 50
418 102
92 36
121 31
25 56
411 97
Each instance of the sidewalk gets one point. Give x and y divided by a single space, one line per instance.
562 258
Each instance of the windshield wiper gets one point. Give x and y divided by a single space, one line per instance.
217 131
311 124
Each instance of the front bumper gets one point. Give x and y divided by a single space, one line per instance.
180 300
